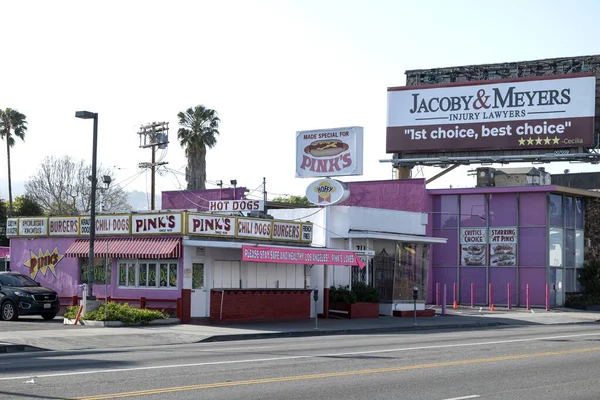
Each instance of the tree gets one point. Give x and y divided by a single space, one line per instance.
12 124
198 129
62 187
295 200
23 207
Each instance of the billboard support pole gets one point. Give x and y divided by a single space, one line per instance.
444 172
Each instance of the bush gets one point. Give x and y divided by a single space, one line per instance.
590 279
118 312
360 293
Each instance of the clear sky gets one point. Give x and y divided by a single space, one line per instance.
269 68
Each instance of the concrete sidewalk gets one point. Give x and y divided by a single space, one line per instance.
59 337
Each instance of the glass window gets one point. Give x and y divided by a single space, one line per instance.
556 247
569 212
579 243
445 211
164 274
532 209
555 205
569 248
150 274
579 213
143 274
569 280
411 271
503 209
473 210
123 274
198 276
173 275
100 272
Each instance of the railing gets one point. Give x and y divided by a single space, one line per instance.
176 305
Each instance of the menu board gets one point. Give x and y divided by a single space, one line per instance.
503 247
473 247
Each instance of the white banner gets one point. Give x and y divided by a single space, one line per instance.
143 224
235 205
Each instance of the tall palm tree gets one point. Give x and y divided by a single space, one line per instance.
12 124
198 129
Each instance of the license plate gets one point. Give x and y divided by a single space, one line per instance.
47 305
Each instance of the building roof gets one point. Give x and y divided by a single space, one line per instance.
517 189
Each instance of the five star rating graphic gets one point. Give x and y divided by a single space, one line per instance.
539 141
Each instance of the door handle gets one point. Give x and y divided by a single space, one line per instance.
193 291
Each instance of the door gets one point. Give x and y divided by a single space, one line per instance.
199 290
558 287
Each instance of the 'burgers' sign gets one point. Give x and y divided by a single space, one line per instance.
329 152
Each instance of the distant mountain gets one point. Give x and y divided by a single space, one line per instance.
141 201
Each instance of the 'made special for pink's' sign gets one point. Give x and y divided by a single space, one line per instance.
300 256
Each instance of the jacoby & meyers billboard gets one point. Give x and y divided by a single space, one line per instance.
548 112
329 152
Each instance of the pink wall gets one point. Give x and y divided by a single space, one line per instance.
198 199
397 194
65 279
4 251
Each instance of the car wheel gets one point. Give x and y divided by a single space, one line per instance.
50 315
9 311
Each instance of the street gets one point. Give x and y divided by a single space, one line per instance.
533 362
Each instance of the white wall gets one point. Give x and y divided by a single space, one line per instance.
344 218
314 215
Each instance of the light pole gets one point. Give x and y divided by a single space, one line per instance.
94 116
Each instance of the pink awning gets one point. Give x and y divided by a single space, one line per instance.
159 247
295 255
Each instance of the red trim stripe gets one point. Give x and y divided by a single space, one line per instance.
169 247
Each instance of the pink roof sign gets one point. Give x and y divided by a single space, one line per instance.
290 255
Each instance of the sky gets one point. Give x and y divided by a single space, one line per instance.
269 69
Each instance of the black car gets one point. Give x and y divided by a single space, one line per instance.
21 295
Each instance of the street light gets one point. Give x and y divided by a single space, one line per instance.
94 116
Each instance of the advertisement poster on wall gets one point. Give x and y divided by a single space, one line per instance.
503 247
473 246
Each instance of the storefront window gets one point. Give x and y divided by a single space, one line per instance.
569 248
569 280
579 243
579 207
445 211
503 209
411 271
555 205
556 247
143 274
569 212
473 210
101 270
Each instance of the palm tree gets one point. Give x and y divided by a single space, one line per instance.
198 129
12 123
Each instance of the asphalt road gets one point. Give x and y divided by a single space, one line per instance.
533 362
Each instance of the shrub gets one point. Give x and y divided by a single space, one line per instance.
118 312
590 279
360 293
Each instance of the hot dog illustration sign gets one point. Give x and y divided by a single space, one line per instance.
329 152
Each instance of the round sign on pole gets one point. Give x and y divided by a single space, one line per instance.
327 192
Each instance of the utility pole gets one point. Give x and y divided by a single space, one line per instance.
153 136
265 194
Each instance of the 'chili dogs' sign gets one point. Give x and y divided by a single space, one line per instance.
329 152
520 114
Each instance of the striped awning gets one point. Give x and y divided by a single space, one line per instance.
160 247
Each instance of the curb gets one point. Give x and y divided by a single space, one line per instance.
18 348
114 324
334 332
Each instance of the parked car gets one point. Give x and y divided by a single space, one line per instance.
21 295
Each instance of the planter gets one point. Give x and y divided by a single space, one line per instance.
168 321
356 310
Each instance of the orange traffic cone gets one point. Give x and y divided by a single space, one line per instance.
455 305
492 309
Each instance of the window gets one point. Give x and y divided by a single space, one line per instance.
197 276
102 272
579 213
570 212
556 247
555 205
579 243
473 211
569 248
148 274
445 211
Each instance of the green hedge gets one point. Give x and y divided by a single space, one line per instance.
118 312
360 293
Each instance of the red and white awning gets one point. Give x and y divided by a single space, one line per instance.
159 247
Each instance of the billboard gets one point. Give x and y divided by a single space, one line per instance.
329 152
541 113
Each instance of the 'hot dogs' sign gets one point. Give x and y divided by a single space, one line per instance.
329 152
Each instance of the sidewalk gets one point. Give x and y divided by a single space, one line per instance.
64 337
